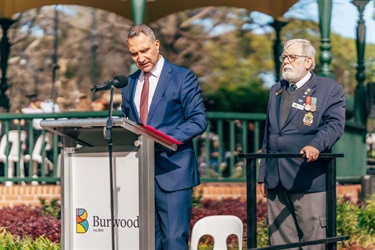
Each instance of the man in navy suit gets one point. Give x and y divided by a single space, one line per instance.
305 115
175 107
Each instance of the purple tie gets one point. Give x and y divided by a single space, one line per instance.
144 98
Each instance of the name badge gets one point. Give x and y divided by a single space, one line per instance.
297 106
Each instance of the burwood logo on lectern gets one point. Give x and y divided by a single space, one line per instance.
98 224
82 225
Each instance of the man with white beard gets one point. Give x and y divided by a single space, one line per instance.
305 115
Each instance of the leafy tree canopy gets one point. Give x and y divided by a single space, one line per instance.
216 43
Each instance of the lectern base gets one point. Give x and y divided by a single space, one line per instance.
86 201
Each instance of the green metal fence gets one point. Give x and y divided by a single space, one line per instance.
228 134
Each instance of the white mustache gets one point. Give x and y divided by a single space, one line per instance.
286 67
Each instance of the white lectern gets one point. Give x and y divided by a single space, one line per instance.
85 181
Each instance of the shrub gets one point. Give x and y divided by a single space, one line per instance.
25 227
51 208
352 220
9 242
366 222
346 217
366 216
25 221
197 196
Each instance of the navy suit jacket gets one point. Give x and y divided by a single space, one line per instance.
326 128
177 110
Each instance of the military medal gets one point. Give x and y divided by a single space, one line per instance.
308 119
313 104
308 103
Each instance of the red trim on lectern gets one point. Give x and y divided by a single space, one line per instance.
167 137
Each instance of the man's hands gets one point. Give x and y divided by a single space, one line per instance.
263 189
310 153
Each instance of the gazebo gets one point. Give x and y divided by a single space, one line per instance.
147 11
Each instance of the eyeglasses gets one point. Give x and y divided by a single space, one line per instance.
291 58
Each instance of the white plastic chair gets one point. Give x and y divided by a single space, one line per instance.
18 143
37 154
219 227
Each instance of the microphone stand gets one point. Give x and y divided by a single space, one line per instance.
109 141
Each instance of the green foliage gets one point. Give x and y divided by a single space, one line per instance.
243 98
197 196
346 217
358 223
262 234
51 208
71 71
8 242
366 216
237 59
235 62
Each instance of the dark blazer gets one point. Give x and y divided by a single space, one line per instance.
177 110
328 122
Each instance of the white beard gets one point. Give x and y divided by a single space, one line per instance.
293 76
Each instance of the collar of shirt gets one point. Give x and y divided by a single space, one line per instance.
154 78
301 82
156 71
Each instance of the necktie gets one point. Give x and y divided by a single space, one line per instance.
293 87
144 98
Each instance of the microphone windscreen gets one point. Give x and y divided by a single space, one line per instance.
120 81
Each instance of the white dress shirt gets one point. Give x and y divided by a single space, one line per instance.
154 78
301 82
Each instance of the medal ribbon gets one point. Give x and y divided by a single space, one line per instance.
308 100
313 101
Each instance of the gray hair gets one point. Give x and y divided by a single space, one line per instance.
307 49
136 30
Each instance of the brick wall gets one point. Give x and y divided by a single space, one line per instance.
29 194
238 191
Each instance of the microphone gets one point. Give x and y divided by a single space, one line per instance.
118 82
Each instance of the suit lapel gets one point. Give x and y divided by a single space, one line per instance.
280 92
163 82
133 87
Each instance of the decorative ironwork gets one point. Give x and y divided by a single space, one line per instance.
277 45
325 11
4 55
360 97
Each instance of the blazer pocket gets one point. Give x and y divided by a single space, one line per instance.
323 222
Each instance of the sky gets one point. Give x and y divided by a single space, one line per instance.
345 17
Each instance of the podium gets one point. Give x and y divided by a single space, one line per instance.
85 183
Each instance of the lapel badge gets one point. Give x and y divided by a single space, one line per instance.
279 91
